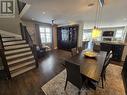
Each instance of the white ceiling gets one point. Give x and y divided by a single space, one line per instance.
114 12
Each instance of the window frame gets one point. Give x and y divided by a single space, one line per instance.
121 34
46 41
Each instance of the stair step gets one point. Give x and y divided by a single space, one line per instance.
7 36
18 55
14 42
17 51
23 70
20 60
21 65
16 46
10 39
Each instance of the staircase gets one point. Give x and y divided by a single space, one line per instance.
19 55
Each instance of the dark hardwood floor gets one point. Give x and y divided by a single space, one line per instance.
30 83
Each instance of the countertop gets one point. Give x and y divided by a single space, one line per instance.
115 43
111 42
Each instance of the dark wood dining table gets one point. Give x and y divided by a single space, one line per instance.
89 67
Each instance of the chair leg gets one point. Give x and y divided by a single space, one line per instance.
65 85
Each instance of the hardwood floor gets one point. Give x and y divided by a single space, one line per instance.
30 83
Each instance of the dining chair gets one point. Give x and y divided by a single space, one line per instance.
108 55
106 63
80 49
96 48
74 51
73 75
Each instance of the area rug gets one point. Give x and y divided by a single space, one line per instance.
112 86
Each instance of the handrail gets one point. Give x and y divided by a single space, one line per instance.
4 61
26 36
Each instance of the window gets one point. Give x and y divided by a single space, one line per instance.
119 34
46 34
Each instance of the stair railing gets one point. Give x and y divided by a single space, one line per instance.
4 61
26 36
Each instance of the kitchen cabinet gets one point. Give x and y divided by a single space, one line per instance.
117 50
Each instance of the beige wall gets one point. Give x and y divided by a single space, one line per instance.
33 29
80 34
11 24
55 36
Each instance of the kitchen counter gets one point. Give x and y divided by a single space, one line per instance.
115 43
117 49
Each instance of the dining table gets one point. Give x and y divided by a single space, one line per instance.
89 67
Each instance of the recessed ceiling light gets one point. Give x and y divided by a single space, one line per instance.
43 13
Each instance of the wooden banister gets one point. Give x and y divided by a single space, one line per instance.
4 61
26 36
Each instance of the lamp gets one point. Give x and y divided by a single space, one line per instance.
96 32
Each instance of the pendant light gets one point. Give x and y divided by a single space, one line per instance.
96 32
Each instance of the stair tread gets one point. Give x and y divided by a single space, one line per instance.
21 65
16 46
11 39
22 71
20 60
17 50
14 42
8 37
18 55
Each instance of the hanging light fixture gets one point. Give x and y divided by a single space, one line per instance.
96 31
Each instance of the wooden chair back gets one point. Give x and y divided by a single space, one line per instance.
80 49
73 74
107 62
96 48
74 51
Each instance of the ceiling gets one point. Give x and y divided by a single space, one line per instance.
114 12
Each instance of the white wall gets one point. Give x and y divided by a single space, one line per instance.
108 29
